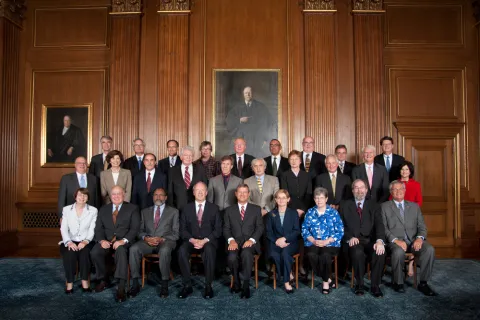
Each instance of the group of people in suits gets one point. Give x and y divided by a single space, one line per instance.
230 210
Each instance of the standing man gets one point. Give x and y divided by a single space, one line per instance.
78 179
344 166
337 184
98 163
146 182
159 232
388 159
374 174
221 189
312 162
242 166
209 164
276 164
243 228
200 227
135 162
173 160
116 228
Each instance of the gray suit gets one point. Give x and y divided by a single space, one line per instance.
407 228
265 199
220 196
168 228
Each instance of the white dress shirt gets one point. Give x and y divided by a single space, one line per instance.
65 129
241 157
279 158
172 160
76 228
240 210
152 173
190 170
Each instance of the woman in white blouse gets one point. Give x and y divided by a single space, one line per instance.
115 176
77 228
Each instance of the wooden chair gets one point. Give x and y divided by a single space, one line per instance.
256 257
352 281
150 258
408 257
295 256
336 273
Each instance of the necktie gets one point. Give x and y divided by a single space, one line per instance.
334 184
187 178
83 183
370 176
275 168
225 181
259 184
199 215
139 163
387 164
359 210
341 167
242 212
114 216
172 162
307 162
105 165
157 216
240 166
402 213
149 182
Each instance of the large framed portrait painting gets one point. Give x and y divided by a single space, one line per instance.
246 105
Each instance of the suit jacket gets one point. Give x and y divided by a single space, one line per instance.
132 165
211 227
265 199
140 195
284 166
222 197
78 229
168 226
371 226
178 194
394 172
107 183
299 187
343 188
347 168
317 164
127 226
247 166
395 227
290 228
96 165
69 184
241 231
379 191
164 164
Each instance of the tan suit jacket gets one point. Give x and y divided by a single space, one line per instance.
266 199
124 180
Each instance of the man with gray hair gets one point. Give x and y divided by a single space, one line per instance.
135 162
98 163
337 184
374 174
181 179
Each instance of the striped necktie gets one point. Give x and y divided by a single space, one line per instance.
187 178
260 186
307 162
242 212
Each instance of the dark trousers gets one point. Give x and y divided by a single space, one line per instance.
358 257
164 251
71 258
208 253
283 259
321 260
246 255
221 255
100 258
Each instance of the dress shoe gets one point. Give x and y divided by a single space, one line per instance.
102 286
235 289
186 291
69 291
359 290
120 297
426 290
134 291
289 291
376 292
398 288
86 290
245 293
164 291
208 294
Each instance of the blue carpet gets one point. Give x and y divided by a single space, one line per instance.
33 289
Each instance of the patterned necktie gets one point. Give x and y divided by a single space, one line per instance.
225 181
307 162
242 212
149 182
387 164
105 165
341 166
157 216
259 184
199 215
172 162
334 184
114 216
370 176
139 163
359 210
275 167
83 183
402 213
240 166
187 178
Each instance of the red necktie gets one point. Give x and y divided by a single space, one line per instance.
242 213
359 210
157 217
240 166
187 178
199 215
149 182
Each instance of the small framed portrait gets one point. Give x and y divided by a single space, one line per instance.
66 134
247 104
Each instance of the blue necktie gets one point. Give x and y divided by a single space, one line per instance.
139 163
83 183
387 164
402 213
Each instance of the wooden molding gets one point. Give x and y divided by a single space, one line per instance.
368 6
13 10
123 7
439 130
318 5
174 6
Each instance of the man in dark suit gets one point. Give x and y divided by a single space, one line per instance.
181 179
66 143
116 228
159 231
135 163
276 164
243 228
200 228
242 164
312 162
388 159
374 174
406 232
78 179
98 164
146 182
337 184
344 166
173 160
365 234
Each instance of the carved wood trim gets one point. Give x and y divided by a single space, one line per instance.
367 6
174 6
126 7
13 10
318 5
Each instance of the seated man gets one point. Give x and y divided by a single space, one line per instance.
243 228
159 231
200 227
405 231
116 227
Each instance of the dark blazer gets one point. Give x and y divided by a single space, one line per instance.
379 192
247 166
347 168
290 229
284 166
211 223
96 165
168 226
140 196
371 226
69 184
127 226
132 165
178 194
397 160
241 231
343 188
164 164
299 188
317 164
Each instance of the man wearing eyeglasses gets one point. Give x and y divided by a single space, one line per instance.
135 162
276 164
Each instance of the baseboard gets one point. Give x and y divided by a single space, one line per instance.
8 243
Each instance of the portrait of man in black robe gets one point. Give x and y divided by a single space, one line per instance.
65 142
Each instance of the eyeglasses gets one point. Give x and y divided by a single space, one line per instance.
274 145
138 145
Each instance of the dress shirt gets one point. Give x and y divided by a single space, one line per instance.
115 176
118 208
172 160
331 175
369 166
403 205
242 157
196 211
162 207
152 173
390 156
279 158
65 129
361 203
190 170
329 225
240 210
104 157
74 228
140 157
305 157
282 217
79 177
262 177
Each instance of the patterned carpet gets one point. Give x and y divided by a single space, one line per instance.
33 289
